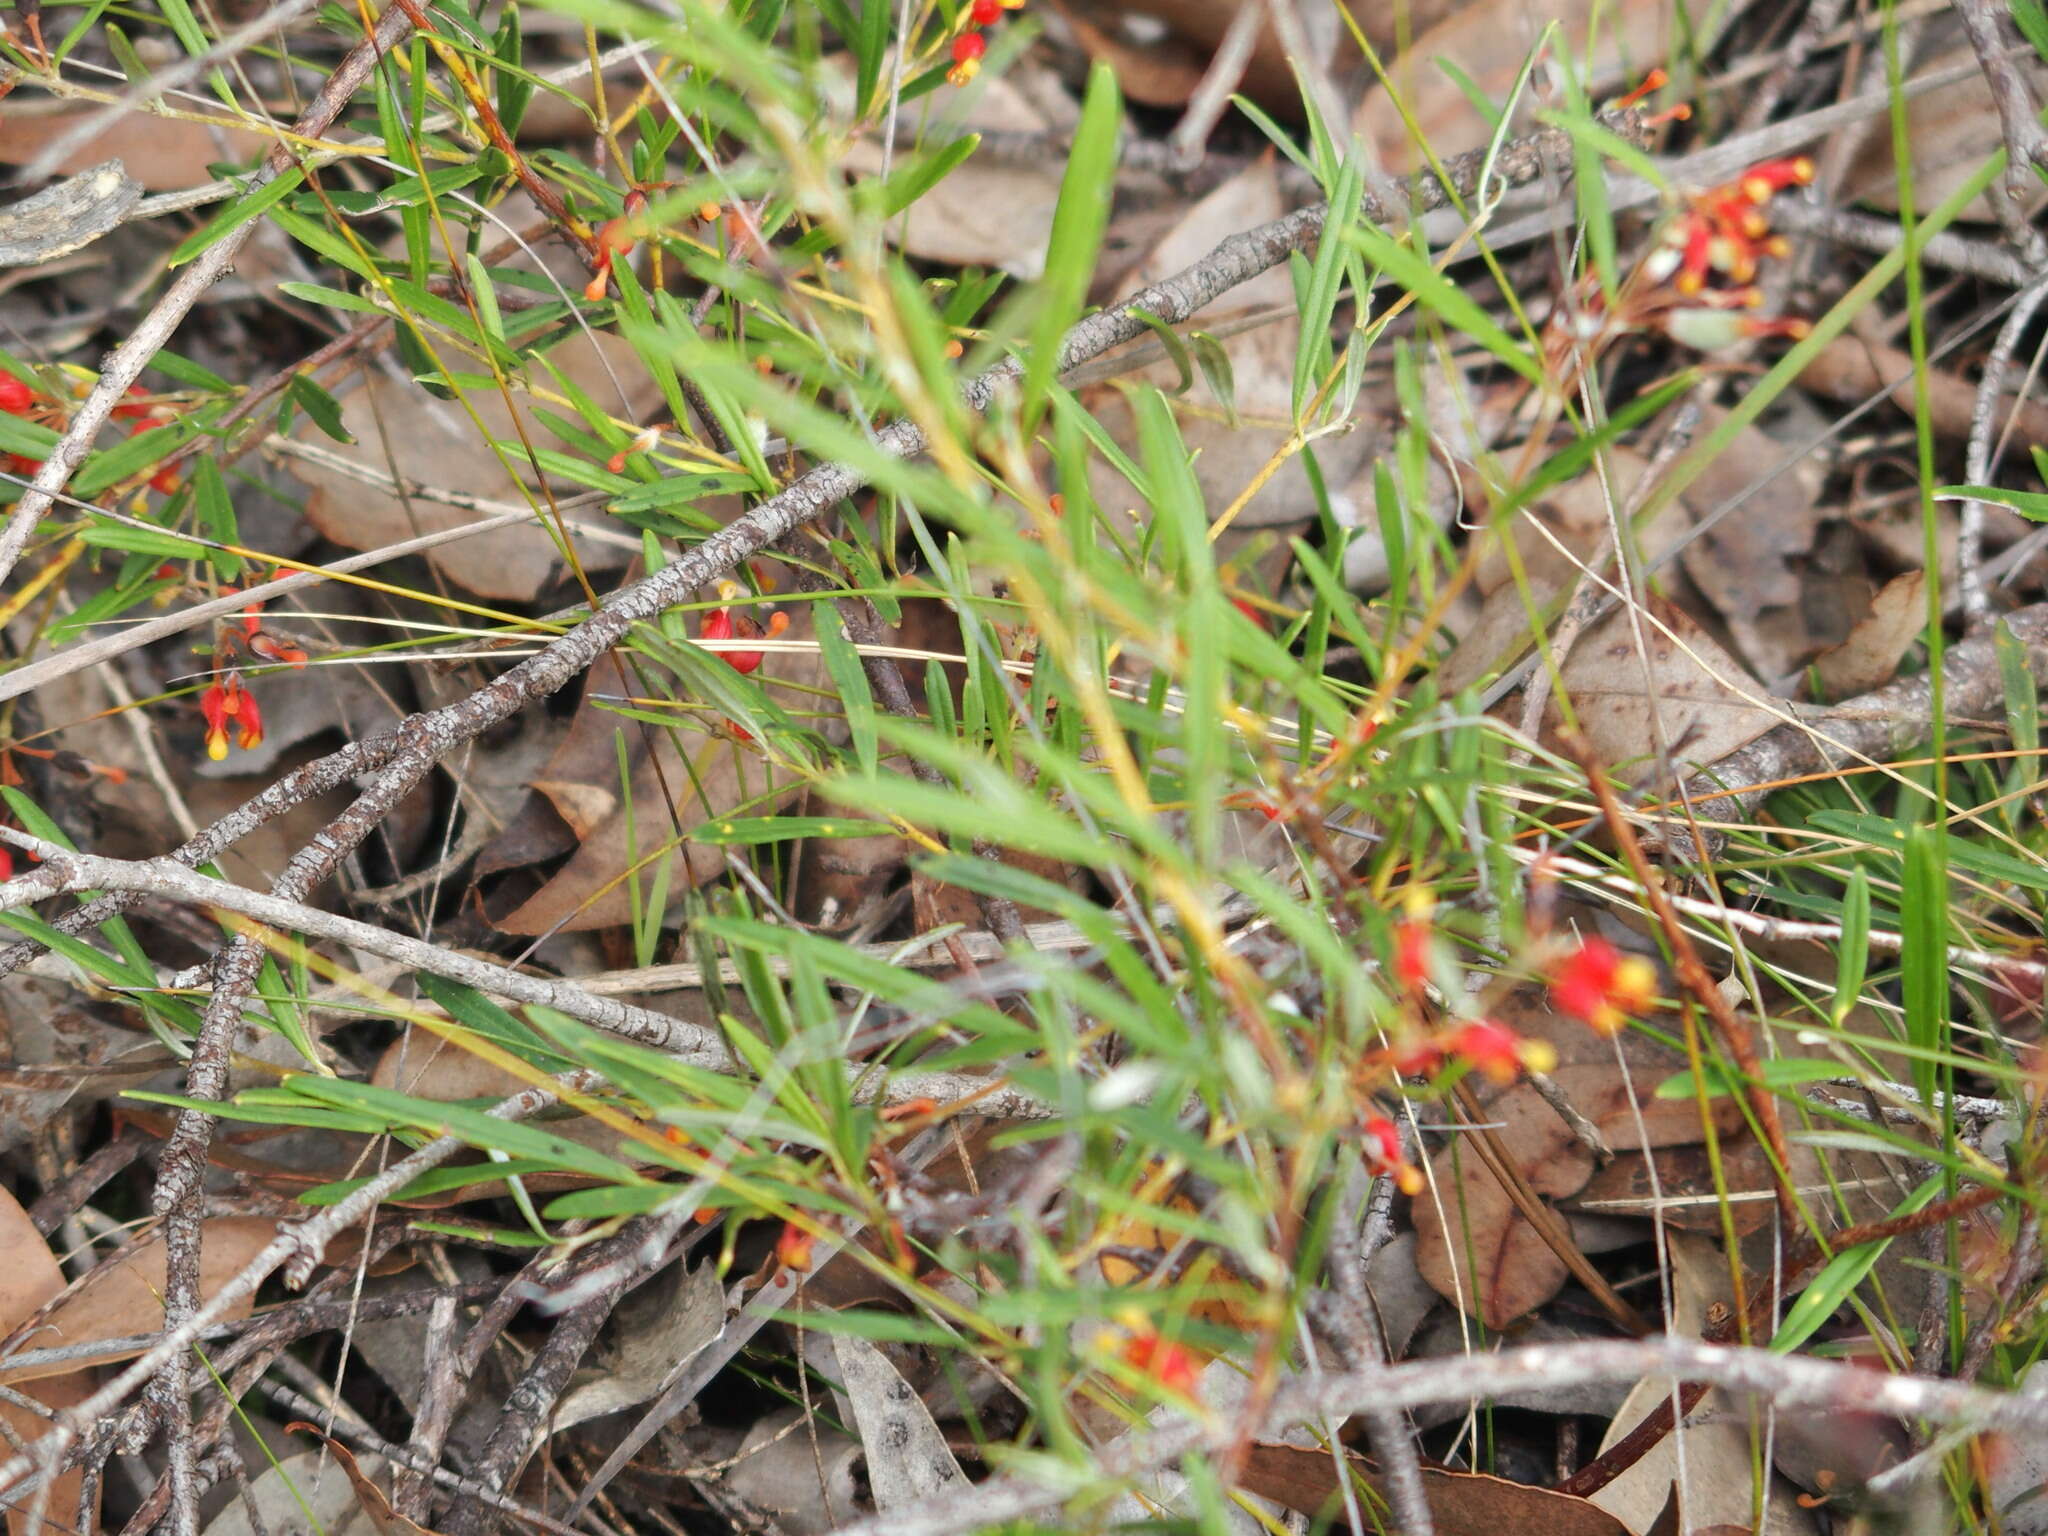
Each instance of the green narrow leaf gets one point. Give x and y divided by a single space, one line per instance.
1923 962
236 214
1325 280
1842 1274
1077 225
216 514
2029 504
320 407
2032 20
1854 956
850 678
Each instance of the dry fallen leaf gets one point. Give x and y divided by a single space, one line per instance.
1951 130
164 154
28 1281
1510 1270
1870 656
988 212
656 1329
123 1296
1758 525
401 429
1489 40
1553 539
1681 693
1716 1486
1304 1478
908 1458
385 1520
1232 441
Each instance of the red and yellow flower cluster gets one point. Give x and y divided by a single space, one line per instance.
1698 284
227 699
972 43
1599 986
1483 1045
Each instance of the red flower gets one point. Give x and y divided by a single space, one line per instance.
1172 1366
1422 1059
1414 952
728 624
793 1247
1597 985
267 645
644 441
968 49
213 704
16 398
229 700
985 13
1493 1049
1382 1143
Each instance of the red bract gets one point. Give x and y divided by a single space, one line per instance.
1171 1365
1596 984
985 13
16 398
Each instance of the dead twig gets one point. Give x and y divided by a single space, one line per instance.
2026 141
1977 468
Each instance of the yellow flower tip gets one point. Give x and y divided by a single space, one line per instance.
1538 1055
1408 1179
1419 902
730 591
1635 983
217 745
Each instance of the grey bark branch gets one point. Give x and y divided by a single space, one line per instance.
1786 1381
